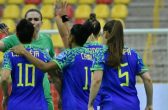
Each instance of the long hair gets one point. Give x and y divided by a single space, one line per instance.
115 42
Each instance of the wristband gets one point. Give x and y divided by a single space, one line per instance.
64 18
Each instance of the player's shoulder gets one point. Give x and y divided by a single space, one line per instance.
44 36
12 36
7 53
74 50
34 48
129 51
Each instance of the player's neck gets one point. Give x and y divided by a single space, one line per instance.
91 39
75 45
36 36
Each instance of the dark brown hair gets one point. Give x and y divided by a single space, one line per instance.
115 42
95 24
81 32
34 10
25 31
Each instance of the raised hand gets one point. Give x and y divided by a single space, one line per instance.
149 108
3 30
60 8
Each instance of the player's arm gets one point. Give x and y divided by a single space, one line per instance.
147 80
57 81
4 81
2 45
62 22
4 30
62 31
149 89
4 84
95 85
46 67
6 71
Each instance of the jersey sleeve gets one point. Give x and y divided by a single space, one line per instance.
9 42
47 57
6 62
141 67
64 58
98 62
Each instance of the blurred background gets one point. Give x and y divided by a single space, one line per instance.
146 30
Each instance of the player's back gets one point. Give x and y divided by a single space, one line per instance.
118 85
76 78
27 89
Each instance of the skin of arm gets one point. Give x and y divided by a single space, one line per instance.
95 85
4 84
149 89
63 31
46 67
2 46
57 81
63 27
3 29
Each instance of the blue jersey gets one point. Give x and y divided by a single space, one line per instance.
27 81
118 90
75 64
93 46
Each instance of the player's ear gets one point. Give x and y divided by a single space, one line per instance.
34 35
72 39
41 23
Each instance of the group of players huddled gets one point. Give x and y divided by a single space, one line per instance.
88 75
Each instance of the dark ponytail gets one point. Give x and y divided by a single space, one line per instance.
115 42
95 24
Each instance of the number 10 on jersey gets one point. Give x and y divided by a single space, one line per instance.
27 73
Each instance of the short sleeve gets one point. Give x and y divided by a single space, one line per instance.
6 62
98 62
64 58
47 57
9 42
141 66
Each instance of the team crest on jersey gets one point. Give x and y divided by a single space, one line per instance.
86 56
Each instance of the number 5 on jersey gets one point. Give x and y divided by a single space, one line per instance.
124 74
